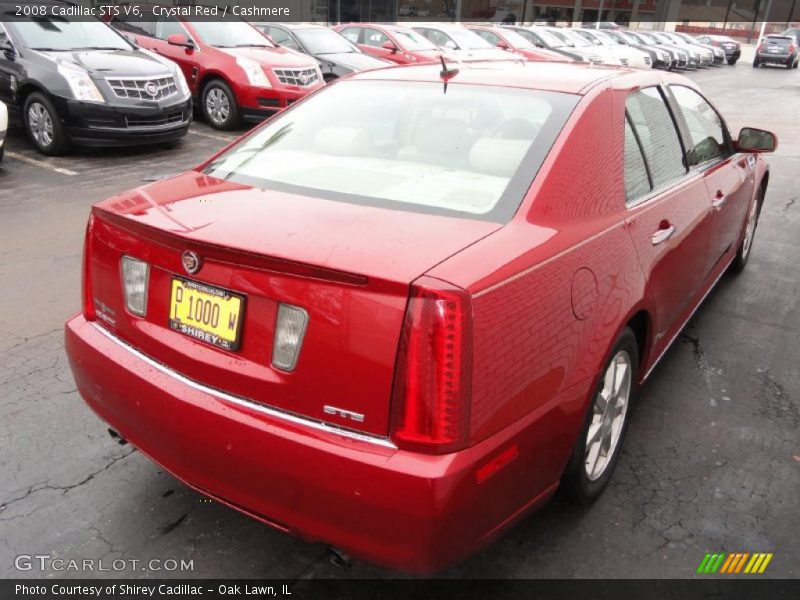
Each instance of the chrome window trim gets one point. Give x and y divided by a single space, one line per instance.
245 402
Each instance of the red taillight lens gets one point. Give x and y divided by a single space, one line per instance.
86 278
430 403
760 48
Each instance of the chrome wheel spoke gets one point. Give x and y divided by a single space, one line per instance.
608 415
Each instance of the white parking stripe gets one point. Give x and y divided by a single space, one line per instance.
41 163
212 136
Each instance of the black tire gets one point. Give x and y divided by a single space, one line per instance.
756 64
732 61
745 250
218 120
576 483
56 143
2 153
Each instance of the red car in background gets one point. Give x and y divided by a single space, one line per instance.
397 317
400 45
508 39
234 71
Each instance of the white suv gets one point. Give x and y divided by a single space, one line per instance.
3 127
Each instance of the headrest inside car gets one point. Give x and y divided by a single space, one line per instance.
499 157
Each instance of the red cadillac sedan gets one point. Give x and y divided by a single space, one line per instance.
396 317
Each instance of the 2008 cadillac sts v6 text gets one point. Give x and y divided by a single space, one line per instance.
399 315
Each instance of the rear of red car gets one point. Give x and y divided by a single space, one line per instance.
288 354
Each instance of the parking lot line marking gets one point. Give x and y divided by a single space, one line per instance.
41 163
212 136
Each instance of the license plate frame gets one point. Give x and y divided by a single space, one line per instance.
200 332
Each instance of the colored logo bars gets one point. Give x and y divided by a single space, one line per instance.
733 563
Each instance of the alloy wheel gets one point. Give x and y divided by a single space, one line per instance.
218 106
750 230
608 416
40 124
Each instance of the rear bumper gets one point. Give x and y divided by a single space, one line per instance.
90 124
778 59
412 512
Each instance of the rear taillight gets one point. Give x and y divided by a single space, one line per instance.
791 48
86 275
760 48
431 398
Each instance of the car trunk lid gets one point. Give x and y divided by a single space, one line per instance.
347 266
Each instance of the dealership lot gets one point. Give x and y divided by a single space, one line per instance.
711 463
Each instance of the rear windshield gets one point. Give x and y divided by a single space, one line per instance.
472 151
783 42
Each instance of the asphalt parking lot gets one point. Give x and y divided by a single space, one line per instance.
711 462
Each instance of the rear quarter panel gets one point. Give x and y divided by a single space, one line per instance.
552 290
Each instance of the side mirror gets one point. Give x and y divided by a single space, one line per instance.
9 50
178 39
450 45
756 140
503 46
389 45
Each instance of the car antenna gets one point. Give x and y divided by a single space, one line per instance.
446 74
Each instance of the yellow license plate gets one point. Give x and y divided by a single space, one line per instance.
207 313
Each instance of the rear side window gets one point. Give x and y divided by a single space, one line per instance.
655 128
704 132
637 177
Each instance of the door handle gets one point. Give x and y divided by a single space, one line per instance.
665 231
719 200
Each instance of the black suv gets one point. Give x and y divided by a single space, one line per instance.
78 81
777 50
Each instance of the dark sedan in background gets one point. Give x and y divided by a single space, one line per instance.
80 82
732 48
336 55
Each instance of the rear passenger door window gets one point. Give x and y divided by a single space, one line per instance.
653 123
704 133
637 175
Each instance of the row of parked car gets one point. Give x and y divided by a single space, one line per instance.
135 80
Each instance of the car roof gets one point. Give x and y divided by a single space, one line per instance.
573 78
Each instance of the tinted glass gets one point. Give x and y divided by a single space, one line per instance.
351 33
704 132
169 26
411 40
637 181
472 151
374 38
147 28
324 41
654 125
488 36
